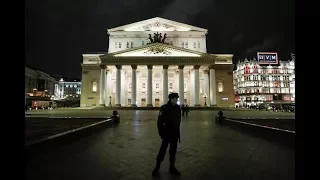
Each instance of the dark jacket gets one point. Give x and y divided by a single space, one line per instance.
169 120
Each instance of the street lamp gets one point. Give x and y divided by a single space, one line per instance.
110 96
205 99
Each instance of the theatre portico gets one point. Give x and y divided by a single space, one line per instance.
145 75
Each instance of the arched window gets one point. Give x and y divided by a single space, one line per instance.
94 87
194 45
157 85
127 44
143 85
170 86
220 87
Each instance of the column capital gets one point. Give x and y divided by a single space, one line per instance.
118 66
150 66
134 66
196 66
211 67
180 66
102 66
165 66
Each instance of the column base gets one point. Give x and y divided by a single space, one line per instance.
118 105
212 105
197 105
149 105
102 104
133 105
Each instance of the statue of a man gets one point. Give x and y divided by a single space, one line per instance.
164 37
150 38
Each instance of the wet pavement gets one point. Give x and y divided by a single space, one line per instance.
128 151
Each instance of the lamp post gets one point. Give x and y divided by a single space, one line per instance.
205 99
110 96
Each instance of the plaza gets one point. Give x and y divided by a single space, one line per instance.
207 151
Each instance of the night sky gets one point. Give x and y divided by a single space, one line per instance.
58 32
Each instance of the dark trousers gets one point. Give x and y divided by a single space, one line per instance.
172 151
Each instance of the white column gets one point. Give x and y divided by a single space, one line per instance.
165 84
181 85
206 86
102 85
123 90
149 93
213 96
107 101
118 86
196 85
134 86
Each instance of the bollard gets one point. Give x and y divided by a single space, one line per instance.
219 118
115 117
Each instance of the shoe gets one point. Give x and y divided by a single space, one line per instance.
156 169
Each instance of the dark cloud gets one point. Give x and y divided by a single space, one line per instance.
237 39
186 11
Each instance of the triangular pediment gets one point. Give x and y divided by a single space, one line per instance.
157 49
157 24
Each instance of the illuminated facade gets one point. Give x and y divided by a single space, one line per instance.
38 83
65 88
138 72
255 84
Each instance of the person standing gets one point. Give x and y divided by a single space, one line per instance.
168 124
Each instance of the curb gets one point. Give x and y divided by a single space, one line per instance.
69 133
278 135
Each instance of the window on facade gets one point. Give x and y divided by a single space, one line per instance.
194 45
115 44
170 86
131 44
157 85
182 44
94 87
129 85
127 44
186 45
220 87
142 43
143 85
198 44
119 44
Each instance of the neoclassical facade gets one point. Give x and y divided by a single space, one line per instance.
142 67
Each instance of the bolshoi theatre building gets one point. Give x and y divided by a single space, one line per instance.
149 59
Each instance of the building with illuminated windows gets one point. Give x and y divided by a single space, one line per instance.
255 84
67 89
